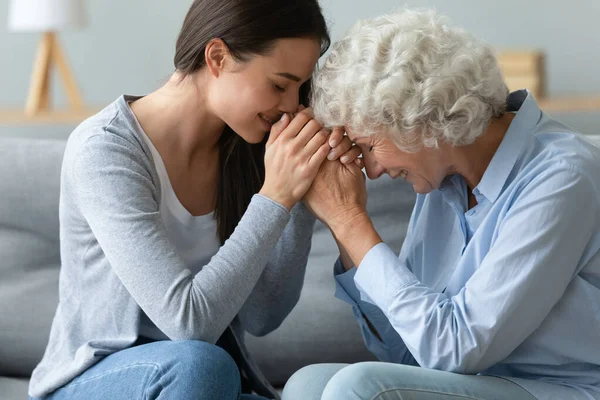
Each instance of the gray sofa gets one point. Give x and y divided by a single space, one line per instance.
319 329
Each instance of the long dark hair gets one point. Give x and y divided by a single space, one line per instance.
248 27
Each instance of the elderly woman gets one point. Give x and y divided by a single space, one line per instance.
496 291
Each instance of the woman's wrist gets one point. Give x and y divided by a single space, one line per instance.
345 257
285 202
356 234
347 219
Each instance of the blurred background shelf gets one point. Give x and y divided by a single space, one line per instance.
70 117
558 104
570 104
527 69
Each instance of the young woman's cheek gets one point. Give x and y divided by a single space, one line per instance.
264 99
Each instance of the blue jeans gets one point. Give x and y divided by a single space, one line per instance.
385 381
167 370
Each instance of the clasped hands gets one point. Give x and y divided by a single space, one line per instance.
338 192
301 164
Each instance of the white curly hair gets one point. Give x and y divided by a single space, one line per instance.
412 76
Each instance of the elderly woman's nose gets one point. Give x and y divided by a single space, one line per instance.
373 169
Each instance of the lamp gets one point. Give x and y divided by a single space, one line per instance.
48 16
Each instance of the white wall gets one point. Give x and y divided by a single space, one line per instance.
129 44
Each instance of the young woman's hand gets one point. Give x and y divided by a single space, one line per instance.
294 152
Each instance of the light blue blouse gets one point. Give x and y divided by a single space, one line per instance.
510 287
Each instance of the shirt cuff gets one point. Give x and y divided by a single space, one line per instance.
301 211
345 288
381 275
264 200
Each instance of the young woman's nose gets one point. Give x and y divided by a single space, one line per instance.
289 102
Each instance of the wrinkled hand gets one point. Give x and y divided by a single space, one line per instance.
338 194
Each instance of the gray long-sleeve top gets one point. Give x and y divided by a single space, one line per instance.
117 262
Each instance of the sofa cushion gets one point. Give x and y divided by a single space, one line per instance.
13 388
29 245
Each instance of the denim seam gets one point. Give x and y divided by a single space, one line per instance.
425 391
514 383
157 367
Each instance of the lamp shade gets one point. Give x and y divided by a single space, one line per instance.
46 15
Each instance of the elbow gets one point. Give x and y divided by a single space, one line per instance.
462 369
261 322
260 332
192 333
454 367
262 328
459 363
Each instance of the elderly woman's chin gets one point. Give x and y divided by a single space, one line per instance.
419 184
419 187
422 187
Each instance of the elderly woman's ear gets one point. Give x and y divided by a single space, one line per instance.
338 194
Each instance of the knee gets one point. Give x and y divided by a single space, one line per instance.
308 383
204 369
351 383
195 356
300 382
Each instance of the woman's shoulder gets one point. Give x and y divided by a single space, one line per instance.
105 156
109 136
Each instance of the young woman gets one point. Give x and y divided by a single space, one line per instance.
180 221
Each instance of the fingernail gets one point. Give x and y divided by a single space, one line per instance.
344 159
283 117
332 143
331 155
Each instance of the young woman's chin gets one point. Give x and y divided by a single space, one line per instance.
252 131
252 136
255 138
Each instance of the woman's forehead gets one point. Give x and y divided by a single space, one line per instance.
359 137
295 56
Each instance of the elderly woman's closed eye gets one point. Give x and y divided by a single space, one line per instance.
499 263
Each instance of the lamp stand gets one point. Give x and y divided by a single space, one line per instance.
50 52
